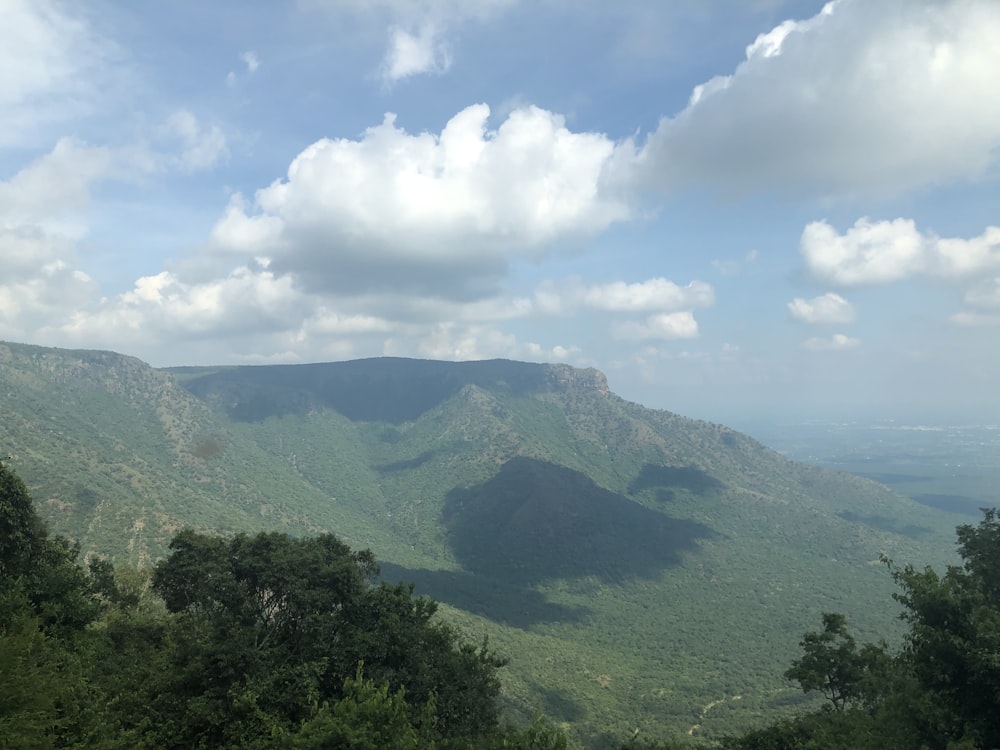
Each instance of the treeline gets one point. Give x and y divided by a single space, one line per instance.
275 642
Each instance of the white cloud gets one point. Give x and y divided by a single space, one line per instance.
251 60
437 214
653 294
677 325
326 322
418 30
829 308
412 54
201 146
163 305
29 303
44 214
53 192
837 342
885 251
51 62
457 342
247 234
862 98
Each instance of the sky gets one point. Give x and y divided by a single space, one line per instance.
734 209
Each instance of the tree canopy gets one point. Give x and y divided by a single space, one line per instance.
246 641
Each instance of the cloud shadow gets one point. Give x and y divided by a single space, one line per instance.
536 521
499 601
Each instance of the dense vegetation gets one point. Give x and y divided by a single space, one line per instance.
609 551
272 642
246 642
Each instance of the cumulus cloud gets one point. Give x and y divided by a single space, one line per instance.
45 213
835 343
30 302
653 294
439 214
164 305
677 325
52 193
863 97
829 308
885 251
656 294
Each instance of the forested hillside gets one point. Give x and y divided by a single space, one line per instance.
610 551
274 642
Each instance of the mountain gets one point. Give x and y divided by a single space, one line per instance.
639 568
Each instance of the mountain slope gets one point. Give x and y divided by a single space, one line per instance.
641 569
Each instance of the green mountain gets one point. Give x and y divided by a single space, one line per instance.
640 569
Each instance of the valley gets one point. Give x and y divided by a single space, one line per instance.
642 571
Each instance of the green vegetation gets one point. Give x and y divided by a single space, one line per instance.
941 689
267 641
607 550
241 642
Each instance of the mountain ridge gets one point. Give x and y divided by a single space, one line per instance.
614 551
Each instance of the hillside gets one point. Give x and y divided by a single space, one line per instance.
640 569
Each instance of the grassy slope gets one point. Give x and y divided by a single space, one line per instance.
640 569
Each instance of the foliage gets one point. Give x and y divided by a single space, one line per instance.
619 617
833 665
953 646
941 690
254 645
367 717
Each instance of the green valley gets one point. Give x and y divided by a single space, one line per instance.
641 571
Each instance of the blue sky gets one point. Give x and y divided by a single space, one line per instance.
733 209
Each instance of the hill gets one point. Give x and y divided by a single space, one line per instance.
640 569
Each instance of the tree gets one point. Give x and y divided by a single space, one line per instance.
46 602
942 690
953 645
832 664
367 717
266 628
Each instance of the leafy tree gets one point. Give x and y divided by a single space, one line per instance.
44 568
942 690
953 645
45 603
833 665
265 628
367 717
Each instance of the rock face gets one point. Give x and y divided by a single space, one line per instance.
382 389
564 377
